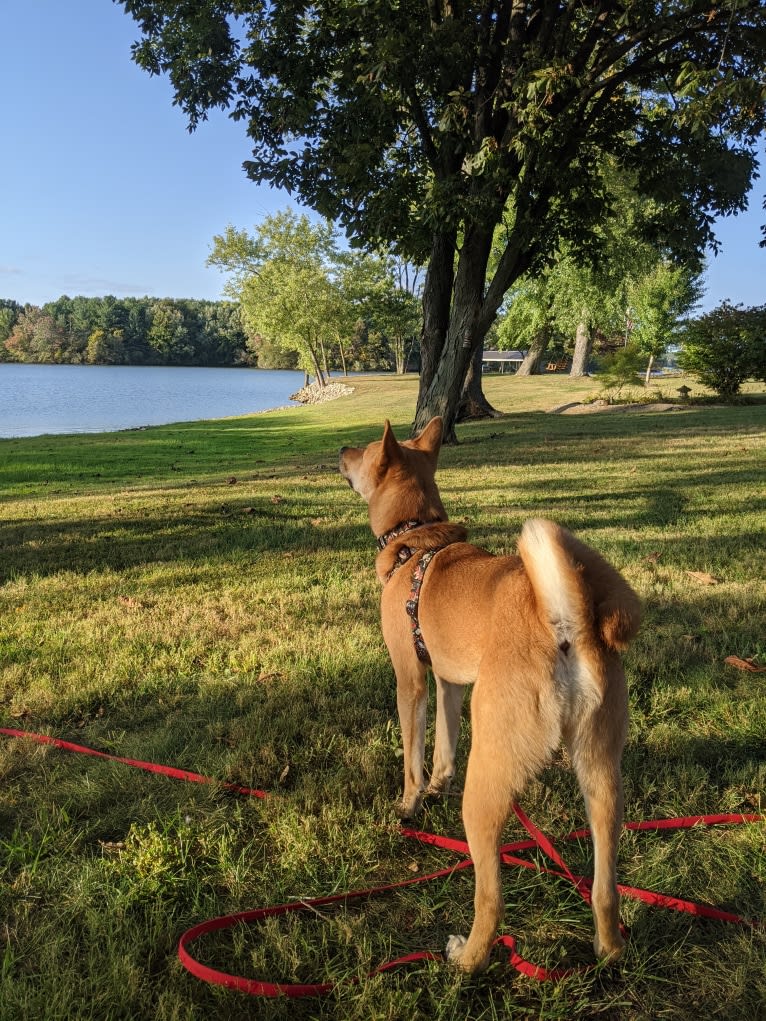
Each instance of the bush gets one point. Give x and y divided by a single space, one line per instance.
725 347
621 369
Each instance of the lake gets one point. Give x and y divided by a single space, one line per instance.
41 399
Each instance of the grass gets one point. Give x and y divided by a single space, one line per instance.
203 595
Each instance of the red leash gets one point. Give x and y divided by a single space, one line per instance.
508 853
150 767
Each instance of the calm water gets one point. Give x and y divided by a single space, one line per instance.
38 399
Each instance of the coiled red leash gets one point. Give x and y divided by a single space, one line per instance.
508 856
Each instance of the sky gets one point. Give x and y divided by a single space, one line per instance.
104 191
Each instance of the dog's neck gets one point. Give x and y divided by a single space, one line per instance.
396 531
413 537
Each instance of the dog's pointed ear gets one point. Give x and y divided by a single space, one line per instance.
430 439
389 452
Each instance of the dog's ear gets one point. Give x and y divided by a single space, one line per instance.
430 439
389 452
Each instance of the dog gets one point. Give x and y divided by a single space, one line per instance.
538 635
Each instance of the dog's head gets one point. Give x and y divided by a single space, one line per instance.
396 479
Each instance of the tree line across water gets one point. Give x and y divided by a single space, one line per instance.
170 331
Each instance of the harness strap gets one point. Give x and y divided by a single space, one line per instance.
412 606
404 554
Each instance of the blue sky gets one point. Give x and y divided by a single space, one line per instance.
103 190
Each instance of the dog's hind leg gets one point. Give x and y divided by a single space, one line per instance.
595 745
486 806
515 729
449 700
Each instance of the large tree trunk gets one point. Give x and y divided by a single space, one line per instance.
456 320
532 363
473 402
437 299
441 394
583 346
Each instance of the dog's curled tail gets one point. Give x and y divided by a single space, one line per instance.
577 587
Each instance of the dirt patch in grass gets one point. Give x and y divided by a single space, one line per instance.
602 406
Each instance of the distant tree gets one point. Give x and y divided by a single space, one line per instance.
9 314
168 336
632 286
282 277
528 323
725 347
36 337
381 292
657 300
105 348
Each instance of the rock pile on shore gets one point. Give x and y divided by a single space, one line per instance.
315 394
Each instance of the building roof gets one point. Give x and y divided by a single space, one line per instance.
503 356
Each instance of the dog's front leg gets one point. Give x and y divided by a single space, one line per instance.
449 700
411 701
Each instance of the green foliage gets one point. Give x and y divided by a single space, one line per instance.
725 347
620 369
634 289
9 314
127 331
303 296
412 125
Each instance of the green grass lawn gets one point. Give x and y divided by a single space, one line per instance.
203 595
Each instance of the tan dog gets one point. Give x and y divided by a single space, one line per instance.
538 635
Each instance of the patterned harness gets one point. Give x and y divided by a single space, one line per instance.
411 606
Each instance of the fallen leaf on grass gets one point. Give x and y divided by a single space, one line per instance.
112 845
745 664
703 577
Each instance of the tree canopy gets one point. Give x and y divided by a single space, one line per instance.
426 123
124 331
301 294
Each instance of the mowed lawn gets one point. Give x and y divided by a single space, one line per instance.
203 595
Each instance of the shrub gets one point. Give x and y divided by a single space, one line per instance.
725 347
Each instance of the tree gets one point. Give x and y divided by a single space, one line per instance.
381 292
36 337
418 124
105 348
632 288
9 314
725 347
657 300
283 277
167 335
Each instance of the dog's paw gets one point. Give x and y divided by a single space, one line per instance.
454 948
611 951
439 787
408 808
